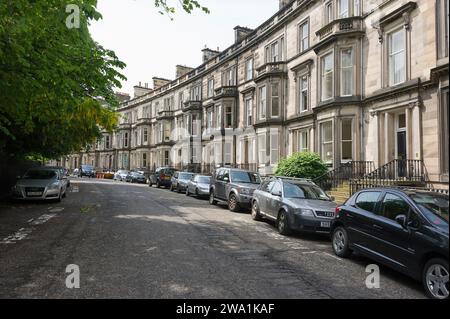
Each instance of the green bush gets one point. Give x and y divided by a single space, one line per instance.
302 165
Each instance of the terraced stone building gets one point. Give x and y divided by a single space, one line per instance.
364 83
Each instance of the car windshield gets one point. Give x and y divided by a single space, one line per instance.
245 177
433 205
40 174
185 176
136 174
204 180
87 168
304 191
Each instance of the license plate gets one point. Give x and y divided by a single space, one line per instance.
34 193
167 178
325 224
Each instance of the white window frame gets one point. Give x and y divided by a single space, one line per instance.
391 55
323 76
347 141
210 87
262 102
302 80
262 150
351 71
277 97
229 115
323 142
249 111
274 148
303 37
249 69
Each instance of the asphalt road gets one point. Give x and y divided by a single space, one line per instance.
132 241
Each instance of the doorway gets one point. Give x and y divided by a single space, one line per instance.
401 150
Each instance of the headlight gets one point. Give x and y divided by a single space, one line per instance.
54 186
245 191
306 212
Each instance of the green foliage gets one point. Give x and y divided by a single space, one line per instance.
51 78
187 5
301 165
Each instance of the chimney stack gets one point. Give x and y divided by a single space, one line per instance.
208 54
159 82
139 90
240 33
182 70
284 3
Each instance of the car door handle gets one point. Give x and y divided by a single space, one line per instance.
377 227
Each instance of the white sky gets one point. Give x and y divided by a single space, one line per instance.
152 45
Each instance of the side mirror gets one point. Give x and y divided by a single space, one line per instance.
401 219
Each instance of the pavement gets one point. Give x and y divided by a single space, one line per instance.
133 241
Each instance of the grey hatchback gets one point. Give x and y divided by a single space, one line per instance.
295 204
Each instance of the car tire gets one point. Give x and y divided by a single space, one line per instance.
196 192
339 242
178 189
212 201
255 212
433 275
283 224
158 185
171 188
233 204
187 191
58 200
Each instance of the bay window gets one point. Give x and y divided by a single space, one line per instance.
301 141
326 141
275 100
262 102
327 76
346 72
262 149
346 139
397 57
274 148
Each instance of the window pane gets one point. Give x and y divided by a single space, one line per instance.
394 206
368 201
343 6
327 76
327 132
347 151
346 129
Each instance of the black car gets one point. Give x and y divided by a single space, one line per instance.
87 170
136 177
180 181
405 229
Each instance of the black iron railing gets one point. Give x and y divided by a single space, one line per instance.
344 173
395 173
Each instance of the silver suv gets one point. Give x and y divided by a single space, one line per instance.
234 186
294 204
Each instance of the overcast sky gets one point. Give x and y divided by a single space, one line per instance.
152 45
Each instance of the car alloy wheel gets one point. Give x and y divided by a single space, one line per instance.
255 212
232 203
436 279
283 224
340 242
212 201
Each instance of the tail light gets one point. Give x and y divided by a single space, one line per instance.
336 212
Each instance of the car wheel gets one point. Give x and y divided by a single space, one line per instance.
255 212
340 242
283 224
212 201
233 204
158 185
178 189
187 191
435 278
150 184
196 192
58 200
171 188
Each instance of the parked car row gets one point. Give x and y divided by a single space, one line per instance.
404 229
130 177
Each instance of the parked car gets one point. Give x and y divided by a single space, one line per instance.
64 172
405 229
294 204
199 186
234 186
180 181
162 177
87 170
121 175
41 183
136 177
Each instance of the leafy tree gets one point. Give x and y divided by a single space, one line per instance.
52 78
301 165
